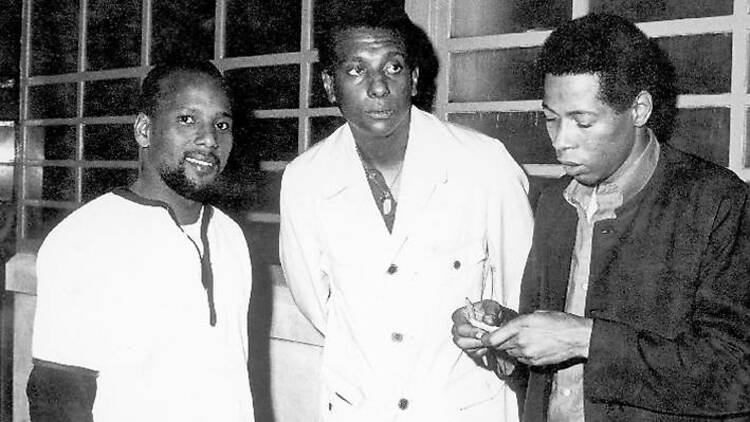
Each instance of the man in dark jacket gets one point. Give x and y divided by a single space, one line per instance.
635 300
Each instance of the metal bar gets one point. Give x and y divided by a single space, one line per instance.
258 61
693 26
122 73
25 66
263 217
738 157
70 121
499 41
52 204
220 29
146 22
80 104
273 166
305 75
658 29
683 101
706 100
580 8
294 112
743 173
81 164
440 35
470 107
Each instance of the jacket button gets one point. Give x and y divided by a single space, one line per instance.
397 337
403 404
456 264
392 269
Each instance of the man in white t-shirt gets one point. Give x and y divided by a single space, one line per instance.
143 292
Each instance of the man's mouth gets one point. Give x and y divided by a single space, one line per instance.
203 161
380 114
571 167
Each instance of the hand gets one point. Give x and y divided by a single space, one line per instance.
543 338
466 336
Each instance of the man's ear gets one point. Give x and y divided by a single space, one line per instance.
642 108
142 130
414 81
328 84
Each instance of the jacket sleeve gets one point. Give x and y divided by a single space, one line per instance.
704 370
300 251
60 393
509 227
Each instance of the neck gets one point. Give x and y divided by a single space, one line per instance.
185 210
384 152
642 138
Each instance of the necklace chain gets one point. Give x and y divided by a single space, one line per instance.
371 170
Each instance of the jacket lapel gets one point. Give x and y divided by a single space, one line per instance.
562 241
346 195
425 170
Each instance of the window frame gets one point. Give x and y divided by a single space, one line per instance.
432 15
304 58
435 17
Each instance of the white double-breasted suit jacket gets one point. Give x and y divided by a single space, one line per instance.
384 300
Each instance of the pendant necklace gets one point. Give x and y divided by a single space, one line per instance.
386 197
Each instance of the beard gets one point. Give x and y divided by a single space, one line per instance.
177 180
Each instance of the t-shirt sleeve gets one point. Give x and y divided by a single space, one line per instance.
70 319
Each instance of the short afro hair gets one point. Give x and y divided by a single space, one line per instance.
418 48
152 87
622 56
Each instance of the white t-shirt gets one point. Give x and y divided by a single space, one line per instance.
120 292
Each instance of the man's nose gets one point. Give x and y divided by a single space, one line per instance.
562 138
207 137
378 86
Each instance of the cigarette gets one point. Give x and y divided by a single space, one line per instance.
482 326
469 309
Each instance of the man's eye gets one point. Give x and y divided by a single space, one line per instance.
186 119
223 126
393 68
550 119
356 71
584 125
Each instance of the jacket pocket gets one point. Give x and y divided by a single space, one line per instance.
469 258
343 398
460 273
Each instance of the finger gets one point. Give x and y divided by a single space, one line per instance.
476 353
514 352
467 330
459 316
499 337
525 360
520 356
467 343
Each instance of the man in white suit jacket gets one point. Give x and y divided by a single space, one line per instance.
387 226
